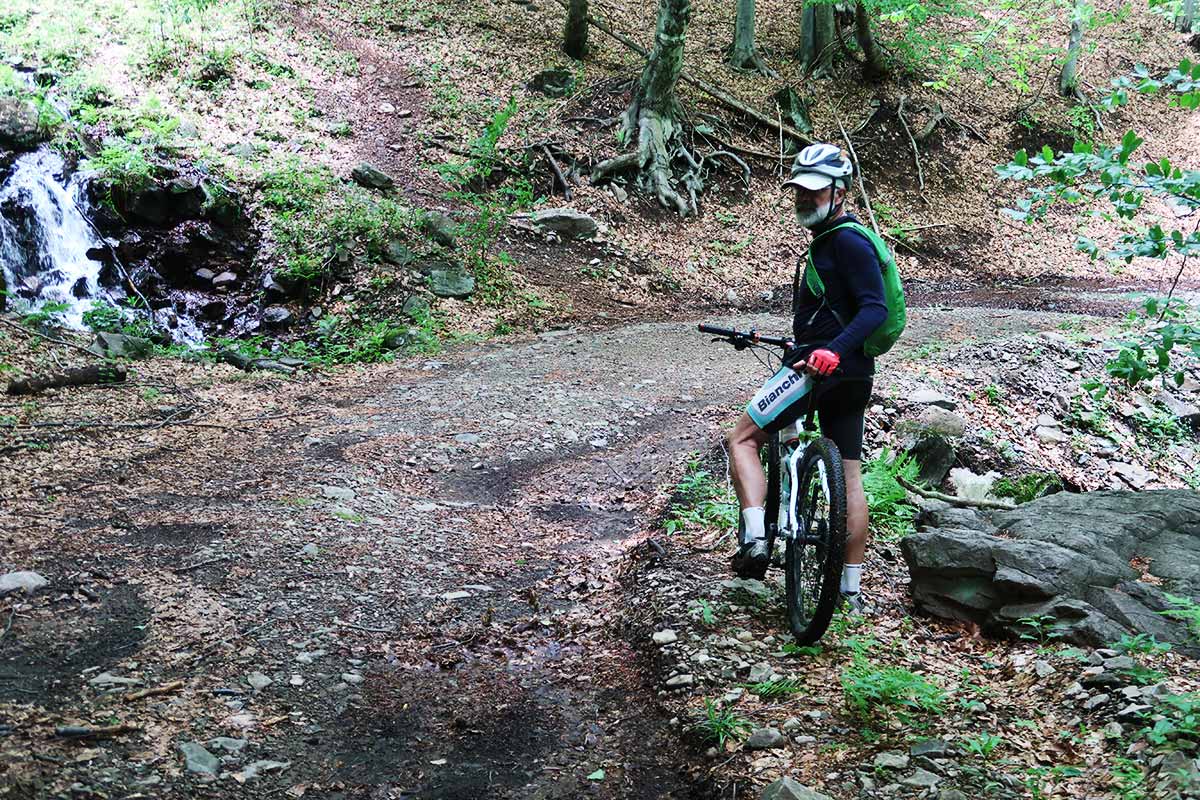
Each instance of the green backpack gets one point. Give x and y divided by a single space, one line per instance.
889 331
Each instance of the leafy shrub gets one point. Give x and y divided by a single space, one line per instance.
704 502
1180 720
103 317
122 167
213 69
1186 610
721 724
1141 643
316 220
982 745
780 687
886 498
1027 487
870 689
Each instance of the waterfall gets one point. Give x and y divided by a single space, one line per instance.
45 237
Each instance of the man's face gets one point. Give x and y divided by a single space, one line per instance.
813 206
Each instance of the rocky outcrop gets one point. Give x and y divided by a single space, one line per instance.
1064 561
19 129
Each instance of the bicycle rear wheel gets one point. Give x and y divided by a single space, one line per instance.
814 557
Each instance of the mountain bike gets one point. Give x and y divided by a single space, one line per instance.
806 501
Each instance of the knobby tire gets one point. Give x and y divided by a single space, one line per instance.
815 568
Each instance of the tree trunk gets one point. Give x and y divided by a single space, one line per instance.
79 376
1186 21
873 64
652 119
1068 79
575 33
742 54
817 39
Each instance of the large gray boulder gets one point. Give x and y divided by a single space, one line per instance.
19 129
569 223
1064 559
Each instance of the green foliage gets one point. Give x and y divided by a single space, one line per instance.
886 498
870 690
1039 628
317 222
721 724
483 159
1027 487
1128 779
780 687
981 745
1142 675
1178 723
122 167
703 501
1186 610
48 314
1157 426
104 317
704 610
1182 82
213 69
1141 644
811 650
1166 329
342 340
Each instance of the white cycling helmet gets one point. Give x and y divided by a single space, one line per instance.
819 166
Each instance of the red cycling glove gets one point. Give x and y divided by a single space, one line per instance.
823 361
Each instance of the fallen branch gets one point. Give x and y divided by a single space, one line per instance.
78 732
913 142
40 335
80 376
703 86
557 172
363 628
964 502
190 567
173 686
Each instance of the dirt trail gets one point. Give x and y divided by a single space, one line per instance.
425 558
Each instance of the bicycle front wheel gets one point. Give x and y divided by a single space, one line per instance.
815 554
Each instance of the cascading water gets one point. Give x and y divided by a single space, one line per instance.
45 237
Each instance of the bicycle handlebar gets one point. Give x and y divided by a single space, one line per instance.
741 339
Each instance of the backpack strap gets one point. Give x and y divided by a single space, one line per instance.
813 280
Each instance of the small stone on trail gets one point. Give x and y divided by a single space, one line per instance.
765 739
309 549
1113 730
931 397
387 108
296 680
1050 435
259 767
352 678
108 679
338 493
199 760
1043 668
762 671
258 681
680 680
665 637
930 747
749 585
788 789
459 595
792 724
227 744
1095 702
29 582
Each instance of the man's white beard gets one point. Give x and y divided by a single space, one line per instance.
811 219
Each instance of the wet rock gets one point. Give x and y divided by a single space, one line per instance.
370 176
198 760
275 289
277 316
441 228
27 582
788 789
204 277
568 223
765 739
19 129
226 280
150 205
662 637
934 456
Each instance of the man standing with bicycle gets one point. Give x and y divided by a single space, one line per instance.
829 331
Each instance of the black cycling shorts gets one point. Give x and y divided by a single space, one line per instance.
841 409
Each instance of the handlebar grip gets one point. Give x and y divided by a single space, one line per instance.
715 331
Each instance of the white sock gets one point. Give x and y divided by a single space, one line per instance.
851 575
753 519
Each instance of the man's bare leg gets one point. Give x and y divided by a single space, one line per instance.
750 484
744 442
856 532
